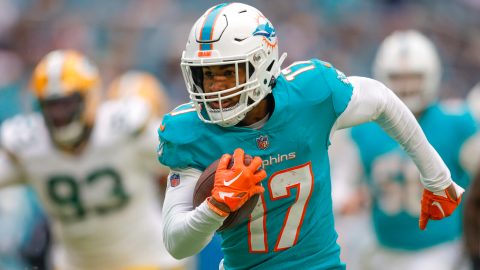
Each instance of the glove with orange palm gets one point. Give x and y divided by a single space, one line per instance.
437 205
234 186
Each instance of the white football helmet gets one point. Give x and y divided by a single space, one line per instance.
409 53
229 34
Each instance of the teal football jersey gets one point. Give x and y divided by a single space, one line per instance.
292 225
394 180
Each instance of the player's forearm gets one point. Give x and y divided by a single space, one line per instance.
187 230
185 234
375 102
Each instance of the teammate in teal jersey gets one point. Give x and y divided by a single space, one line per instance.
408 63
242 103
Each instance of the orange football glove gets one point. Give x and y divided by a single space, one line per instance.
437 205
234 186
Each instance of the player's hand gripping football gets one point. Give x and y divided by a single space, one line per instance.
437 205
234 186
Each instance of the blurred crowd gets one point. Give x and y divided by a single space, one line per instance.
150 35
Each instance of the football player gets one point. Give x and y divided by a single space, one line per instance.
408 63
242 103
91 166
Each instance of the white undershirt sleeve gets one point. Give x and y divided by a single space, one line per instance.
187 230
373 101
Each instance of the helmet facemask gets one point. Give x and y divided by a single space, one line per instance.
409 87
408 63
64 117
227 107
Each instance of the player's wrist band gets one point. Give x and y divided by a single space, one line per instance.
216 209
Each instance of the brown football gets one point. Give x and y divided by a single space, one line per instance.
204 187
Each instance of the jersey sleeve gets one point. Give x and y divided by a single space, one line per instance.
177 136
146 144
341 89
124 118
129 122
10 170
10 173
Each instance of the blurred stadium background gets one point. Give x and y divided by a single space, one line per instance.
150 35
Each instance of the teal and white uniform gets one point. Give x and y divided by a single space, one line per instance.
292 225
394 179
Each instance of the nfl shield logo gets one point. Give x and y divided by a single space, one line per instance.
174 179
262 142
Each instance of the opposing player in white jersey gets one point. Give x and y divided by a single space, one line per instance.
91 166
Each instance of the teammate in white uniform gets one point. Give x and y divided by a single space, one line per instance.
92 169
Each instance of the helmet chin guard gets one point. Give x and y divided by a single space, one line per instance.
231 34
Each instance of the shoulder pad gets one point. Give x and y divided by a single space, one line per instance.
181 125
122 118
454 106
314 80
23 132
179 130
460 117
334 77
